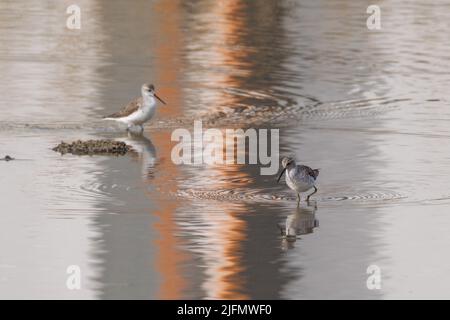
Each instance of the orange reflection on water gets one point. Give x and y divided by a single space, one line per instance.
226 231
221 59
169 257
226 234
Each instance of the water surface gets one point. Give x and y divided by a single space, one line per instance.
370 108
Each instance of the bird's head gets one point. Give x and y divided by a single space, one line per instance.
287 162
149 90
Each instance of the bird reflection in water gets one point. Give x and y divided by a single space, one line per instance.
143 151
302 221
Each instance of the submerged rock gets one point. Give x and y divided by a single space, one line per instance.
91 147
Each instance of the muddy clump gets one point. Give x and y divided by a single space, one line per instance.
92 147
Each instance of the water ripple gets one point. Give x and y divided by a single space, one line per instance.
262 108
247 195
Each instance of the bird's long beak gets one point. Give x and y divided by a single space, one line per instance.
159 98
279 177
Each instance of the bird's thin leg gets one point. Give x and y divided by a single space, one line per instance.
298 199
315 190
281 229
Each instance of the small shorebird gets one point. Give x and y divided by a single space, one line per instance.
138 110
299 178
7 158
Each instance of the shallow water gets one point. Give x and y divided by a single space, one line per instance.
370 108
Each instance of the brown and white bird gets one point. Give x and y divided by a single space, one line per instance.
139 110
298 177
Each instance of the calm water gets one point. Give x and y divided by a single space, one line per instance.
370 108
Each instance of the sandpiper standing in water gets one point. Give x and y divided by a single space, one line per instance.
298 177
139 110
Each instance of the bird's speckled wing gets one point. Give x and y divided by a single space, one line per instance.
311 172
131 107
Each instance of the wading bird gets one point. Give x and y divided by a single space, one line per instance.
139 110
298 177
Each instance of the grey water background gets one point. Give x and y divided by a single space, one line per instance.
368 107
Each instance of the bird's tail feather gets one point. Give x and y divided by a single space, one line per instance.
316 172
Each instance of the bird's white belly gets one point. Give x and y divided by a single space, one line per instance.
299 185
139 116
